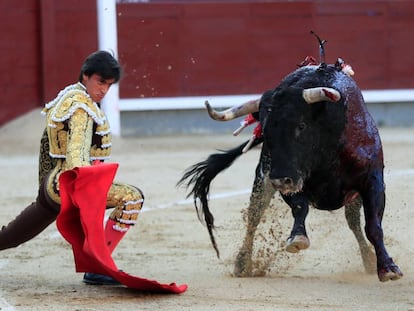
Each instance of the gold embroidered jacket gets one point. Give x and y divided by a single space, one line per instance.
77 133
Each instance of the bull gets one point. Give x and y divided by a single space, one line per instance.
320 148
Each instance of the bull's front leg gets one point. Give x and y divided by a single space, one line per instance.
298 239
260 197
374 203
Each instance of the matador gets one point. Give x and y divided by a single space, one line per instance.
76 134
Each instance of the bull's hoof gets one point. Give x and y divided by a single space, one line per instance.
296 243
243 264
392 272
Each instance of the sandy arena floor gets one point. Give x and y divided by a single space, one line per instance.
169 244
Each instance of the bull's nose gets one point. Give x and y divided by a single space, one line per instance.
287 185
284 181
287 181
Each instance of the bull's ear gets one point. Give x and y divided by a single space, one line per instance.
318 94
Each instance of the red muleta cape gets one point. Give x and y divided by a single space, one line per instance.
83 193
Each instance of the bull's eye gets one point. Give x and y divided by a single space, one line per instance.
299 129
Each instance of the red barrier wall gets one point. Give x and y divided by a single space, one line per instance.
200 48
19 61
43 43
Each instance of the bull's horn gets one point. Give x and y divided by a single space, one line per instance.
318 94
233 112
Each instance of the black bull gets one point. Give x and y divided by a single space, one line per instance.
321 148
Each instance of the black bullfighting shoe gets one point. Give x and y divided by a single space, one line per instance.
99 279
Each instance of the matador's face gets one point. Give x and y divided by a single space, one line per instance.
96 86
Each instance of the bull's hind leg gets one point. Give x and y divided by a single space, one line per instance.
262 193
353 218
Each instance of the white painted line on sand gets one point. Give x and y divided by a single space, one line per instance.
400 173
5 306
190 201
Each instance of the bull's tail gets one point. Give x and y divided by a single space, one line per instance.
199 177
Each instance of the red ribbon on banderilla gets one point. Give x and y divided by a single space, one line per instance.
257 132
